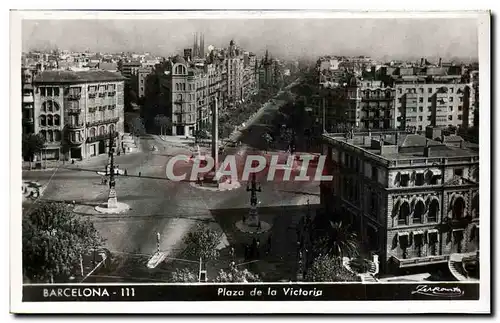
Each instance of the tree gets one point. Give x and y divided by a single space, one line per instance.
137 126
329 269
184 275
163 122
234 275
338 241
54 240
32 145
202 243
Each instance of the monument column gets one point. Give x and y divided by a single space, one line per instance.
215 133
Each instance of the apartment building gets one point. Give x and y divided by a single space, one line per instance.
76 112
192 89
438 100
413 200
28 103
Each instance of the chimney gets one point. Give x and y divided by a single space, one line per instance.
440 64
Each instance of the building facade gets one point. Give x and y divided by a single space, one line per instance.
76 112
441 101
28 103
413 200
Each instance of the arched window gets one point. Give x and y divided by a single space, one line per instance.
92 132
50 120
57 135
404 213
43 120
180 69
179 97
57 120
50 136
418 212
43 133
102 130
459 208
111 128
49 106
177 86
432 214
44 108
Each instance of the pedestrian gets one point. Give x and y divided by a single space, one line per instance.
125 172
72 161
139 174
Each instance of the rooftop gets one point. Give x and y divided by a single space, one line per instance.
382 145
60 76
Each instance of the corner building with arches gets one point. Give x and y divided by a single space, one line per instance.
412 199
77 111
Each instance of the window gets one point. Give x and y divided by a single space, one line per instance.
429 100
433 243
418 212
459 117
451 91
421 100
459 108
433 211
50 136
56 91
49 91
451 99
419 127
404 212
429 109
461 99
458 172
399 100
43 91
49 120
429 90
374 173
429 118
43 121
57 135
420 118
57 120
400 90
419 179
450 118
43 133
419 241
405 180
421 90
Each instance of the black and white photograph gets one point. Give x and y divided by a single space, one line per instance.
186 158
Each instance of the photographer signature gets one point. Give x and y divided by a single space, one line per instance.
438 291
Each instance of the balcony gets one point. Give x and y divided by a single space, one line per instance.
28 120
420 261
101 137
75 140
75 126
102 95
74 96
101 122
113 93
92 95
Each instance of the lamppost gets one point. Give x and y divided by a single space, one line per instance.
253 218
112 200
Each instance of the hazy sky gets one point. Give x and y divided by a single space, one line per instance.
379 38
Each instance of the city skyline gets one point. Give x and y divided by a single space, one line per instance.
449 38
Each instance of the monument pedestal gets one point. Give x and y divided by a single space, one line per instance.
112 200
